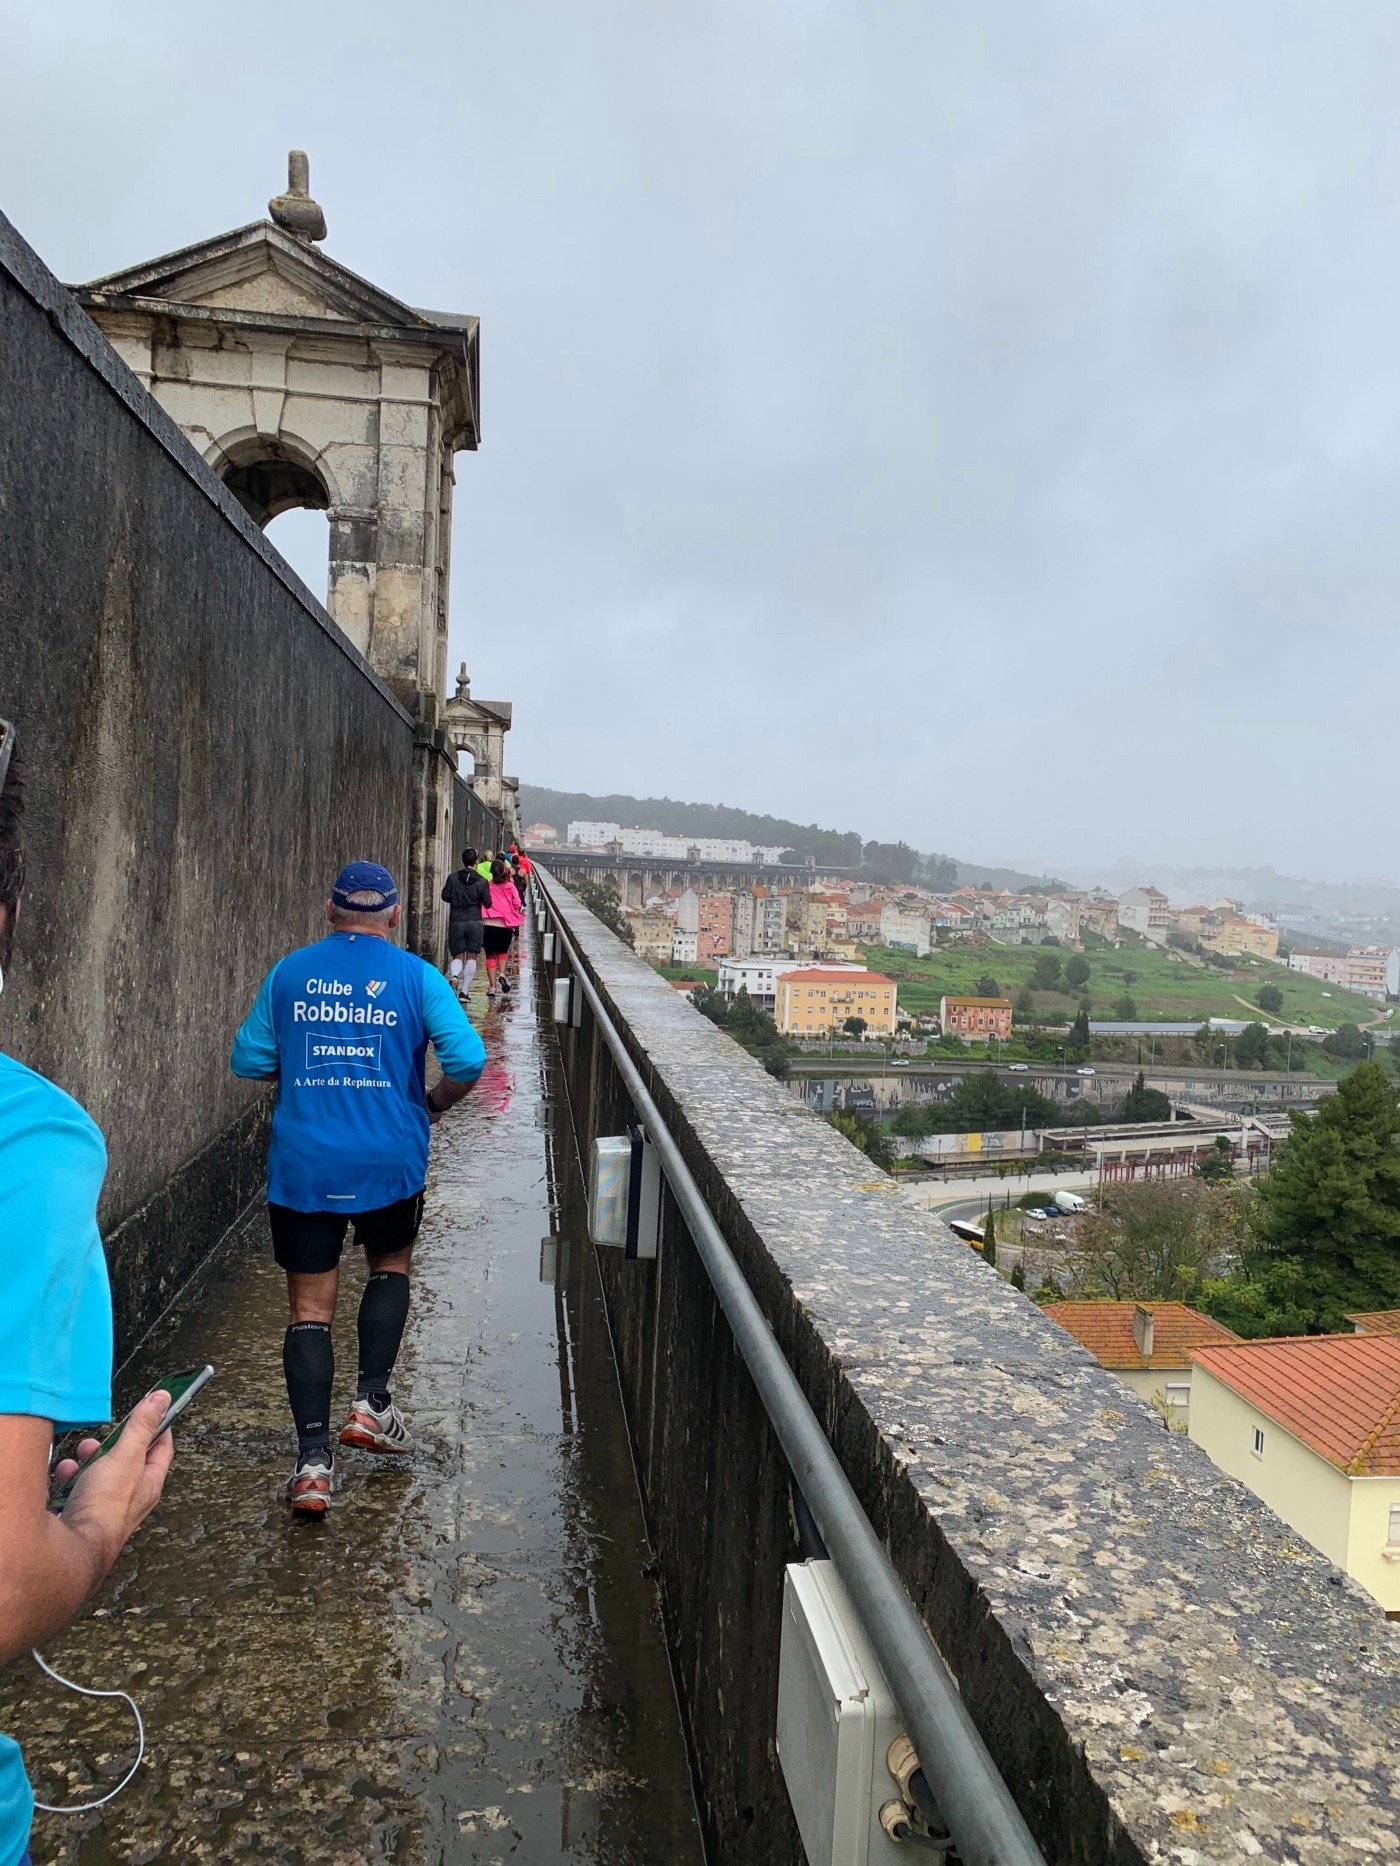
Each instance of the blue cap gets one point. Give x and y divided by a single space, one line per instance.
363 878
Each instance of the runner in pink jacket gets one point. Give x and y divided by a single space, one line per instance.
498 924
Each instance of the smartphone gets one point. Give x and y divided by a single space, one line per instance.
181 1388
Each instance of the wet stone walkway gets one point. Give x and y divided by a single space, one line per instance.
465 1662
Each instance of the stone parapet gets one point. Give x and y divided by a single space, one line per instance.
1161 1669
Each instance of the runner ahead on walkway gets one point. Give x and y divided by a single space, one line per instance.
343 1026
467 893
500 920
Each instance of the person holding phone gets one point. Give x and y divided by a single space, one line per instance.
55 1353
343 1026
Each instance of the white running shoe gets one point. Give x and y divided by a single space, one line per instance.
373 1430
309 1487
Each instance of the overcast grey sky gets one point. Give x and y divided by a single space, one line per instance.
977 424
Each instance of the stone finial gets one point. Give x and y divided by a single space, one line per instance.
295 210
464 686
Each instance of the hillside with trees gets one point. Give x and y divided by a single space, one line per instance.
801 842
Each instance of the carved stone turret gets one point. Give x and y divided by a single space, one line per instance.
295 211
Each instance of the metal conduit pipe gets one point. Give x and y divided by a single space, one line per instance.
972 1798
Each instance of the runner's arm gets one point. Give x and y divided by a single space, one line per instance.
254 1053
460 1052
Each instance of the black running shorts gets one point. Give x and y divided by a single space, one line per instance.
464 936
309 1243
498 939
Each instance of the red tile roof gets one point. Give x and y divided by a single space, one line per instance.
1106 1330
825 974
1340 1394
1375 1321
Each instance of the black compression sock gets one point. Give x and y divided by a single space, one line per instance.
383 1313
308 1360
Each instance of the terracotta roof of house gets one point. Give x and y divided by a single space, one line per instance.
1339 1394
1002 1004
825 974
1106 1330
1376 1322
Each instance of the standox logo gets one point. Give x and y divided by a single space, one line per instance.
375 986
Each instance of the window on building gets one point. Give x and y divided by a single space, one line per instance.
1393 1532
1258 1441
1178 1393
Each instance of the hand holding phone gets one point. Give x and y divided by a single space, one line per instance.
181 1387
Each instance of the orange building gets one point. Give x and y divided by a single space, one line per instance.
819 999
978 1018
715 931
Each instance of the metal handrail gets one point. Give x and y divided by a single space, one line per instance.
986 1825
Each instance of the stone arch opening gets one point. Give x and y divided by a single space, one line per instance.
284 490
268 478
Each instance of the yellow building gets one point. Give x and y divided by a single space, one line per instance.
1238 935
1312 1426
818 1000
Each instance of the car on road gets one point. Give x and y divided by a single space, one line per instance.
900 1062
1018 1069
1084 1072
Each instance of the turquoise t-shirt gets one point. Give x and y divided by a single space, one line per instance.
56 1318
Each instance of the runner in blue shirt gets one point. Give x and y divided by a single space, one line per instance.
55 1354
343 1027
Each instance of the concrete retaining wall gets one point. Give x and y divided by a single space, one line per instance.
1161 1669
204 749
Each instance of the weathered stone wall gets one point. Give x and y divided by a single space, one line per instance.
204 749
1161 1669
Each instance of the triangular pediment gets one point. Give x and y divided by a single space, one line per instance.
259 269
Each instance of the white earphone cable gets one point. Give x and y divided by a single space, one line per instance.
84 1807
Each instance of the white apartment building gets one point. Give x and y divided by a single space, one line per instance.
905 929
587 835
1144 911
683 947
770 923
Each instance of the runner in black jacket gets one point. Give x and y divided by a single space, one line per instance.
466 893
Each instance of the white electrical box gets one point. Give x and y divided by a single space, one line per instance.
563 1000
624 1194
836 1720
547 948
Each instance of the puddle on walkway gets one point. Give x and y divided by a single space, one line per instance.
465 1663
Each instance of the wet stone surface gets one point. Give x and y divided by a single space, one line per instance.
465 1663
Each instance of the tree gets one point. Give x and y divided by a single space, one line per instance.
1269 998
1025 1002
989 1238
1077 970
865 1134
1252 1047
988 987
1045 974
1328 1212
604 905
1125 1007
1145 1104
1018 1275
1346 1042
1153 1240
1218 1166
855 1026
1079 1034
